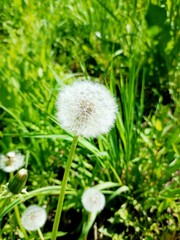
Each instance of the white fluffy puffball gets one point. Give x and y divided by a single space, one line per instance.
86 108
33 218
93 200
11 162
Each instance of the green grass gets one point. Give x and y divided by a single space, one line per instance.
132 48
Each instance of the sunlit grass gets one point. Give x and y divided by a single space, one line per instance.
46 44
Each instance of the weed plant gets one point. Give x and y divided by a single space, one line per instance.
132 47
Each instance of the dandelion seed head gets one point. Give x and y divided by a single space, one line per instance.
33 218
86 108
11 162
93 200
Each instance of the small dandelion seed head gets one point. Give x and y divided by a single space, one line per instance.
33 218
86 108
93 200
11 162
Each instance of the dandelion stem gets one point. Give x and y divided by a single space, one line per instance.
63 189
18 218
40 234
87 226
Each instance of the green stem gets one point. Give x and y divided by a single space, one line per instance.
40 234
18 218
63 189
87 225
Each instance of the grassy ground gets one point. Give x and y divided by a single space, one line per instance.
132 47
